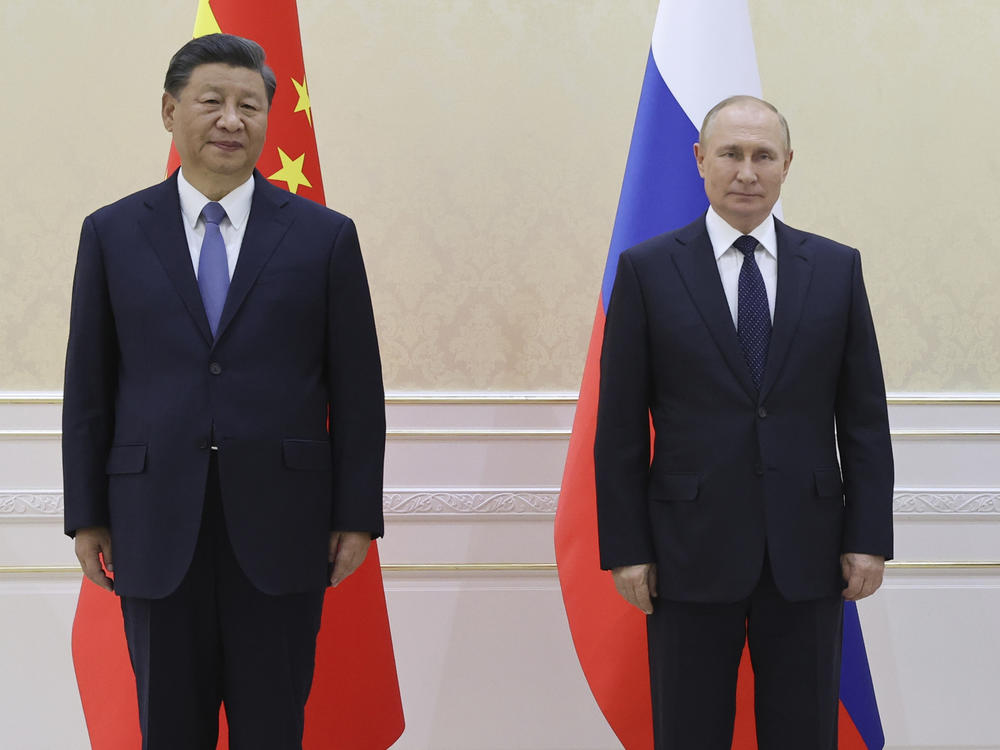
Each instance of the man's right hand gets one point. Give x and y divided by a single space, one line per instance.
93 543
637 585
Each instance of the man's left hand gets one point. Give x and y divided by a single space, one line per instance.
347 552
862 573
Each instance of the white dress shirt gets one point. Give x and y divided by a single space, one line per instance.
233 227
730 260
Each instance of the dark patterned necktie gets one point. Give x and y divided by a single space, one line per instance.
753 316
213 268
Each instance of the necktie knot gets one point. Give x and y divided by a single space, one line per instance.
213 213
745 244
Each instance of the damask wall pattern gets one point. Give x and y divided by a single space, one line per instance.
480 148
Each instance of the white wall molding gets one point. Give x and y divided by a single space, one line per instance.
938 503
48 504
942 398
31 505
472 484
482 502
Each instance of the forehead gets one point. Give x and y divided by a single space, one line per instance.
226 77
745 121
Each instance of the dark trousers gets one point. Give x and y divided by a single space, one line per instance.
218 640
694 656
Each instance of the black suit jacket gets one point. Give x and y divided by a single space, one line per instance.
734 470
147 391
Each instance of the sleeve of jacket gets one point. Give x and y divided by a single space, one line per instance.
89 389
357 398
621 445
863 432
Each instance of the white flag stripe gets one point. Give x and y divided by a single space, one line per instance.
704 52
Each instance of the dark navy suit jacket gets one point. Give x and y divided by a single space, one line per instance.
735 471
148 390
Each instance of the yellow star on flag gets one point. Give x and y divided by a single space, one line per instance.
204 21
303 103
291 172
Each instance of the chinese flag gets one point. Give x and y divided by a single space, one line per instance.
355 702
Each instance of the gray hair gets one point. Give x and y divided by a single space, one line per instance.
745 99
217 48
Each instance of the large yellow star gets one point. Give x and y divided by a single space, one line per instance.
204 20
291 172
303 103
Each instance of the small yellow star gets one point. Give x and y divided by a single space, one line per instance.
291 172
303 103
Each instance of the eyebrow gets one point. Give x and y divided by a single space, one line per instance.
755 149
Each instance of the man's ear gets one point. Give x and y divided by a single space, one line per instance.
167 106
788 163
699 158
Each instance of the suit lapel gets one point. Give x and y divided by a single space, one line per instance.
266 225
164 229
795 265
699 270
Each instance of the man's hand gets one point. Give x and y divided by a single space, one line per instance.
93 543
862 573
637 584
347 552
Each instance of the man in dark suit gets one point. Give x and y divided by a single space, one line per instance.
217 323
751 346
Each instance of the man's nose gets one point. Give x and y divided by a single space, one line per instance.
229 118
746 171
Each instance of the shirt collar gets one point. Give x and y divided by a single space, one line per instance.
236 202
722 235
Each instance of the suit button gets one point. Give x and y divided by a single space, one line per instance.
758 470
762 412
215 368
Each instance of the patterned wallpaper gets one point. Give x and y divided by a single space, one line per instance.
480 148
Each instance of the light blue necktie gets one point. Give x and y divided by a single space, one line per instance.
213 268
753 316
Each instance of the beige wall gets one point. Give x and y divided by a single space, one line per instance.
480 147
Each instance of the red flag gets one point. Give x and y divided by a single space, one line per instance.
355 702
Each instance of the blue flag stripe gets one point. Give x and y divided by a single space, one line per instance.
662 189
857 692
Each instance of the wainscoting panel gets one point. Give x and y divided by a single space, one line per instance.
483 648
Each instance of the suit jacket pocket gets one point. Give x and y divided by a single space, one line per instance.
126 459
306 455
828 483
668 488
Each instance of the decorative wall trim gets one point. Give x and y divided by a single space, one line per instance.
479 502
550 397
508 567
31 504
48 504
938 503
513 434
485 434
43 504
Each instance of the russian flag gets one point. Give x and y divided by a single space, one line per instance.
701 53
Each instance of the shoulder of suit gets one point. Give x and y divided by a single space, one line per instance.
669 242
300 206
130 204
792 238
